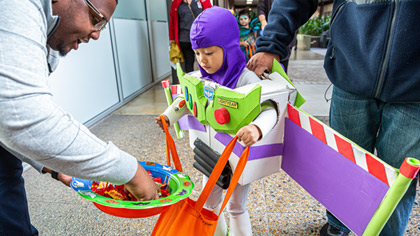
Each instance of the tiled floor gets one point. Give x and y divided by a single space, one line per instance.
277 205
152 102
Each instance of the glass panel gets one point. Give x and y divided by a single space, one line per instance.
158 10
161 48
131 9
133 55
84 83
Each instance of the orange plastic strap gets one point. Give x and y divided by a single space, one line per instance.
170 147
235 177
216 173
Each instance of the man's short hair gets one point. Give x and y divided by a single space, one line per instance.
116 1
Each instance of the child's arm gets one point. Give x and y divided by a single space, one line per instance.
174 112
257 129
159 121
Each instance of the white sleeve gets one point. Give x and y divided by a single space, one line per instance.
176 110
31 124
266 120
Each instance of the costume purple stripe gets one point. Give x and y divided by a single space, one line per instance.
189 122
183 123
344 188
174 96
256 152
193 123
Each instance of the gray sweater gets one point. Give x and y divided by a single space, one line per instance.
32 126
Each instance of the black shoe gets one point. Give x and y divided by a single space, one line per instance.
328 230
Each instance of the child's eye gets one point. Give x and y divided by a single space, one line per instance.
209 53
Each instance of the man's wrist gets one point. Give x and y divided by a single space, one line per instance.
54 175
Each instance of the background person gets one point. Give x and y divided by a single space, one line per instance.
181 17
32 127
375 69
248 33
263 8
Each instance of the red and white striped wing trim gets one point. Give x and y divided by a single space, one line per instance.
348 149
176 89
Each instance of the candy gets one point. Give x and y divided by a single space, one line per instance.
118 192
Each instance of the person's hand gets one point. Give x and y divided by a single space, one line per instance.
159 121
244 43
249 135
171 41
262 61
263 24
142 185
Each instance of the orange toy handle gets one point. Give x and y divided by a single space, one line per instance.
170 147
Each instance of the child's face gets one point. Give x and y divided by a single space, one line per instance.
244 20
210 58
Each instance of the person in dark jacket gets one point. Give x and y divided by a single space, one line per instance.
373 62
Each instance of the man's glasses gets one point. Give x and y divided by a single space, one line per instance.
100 19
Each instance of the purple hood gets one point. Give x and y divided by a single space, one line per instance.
217 26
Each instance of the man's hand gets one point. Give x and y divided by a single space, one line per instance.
142 186
249 135
262 61
159 121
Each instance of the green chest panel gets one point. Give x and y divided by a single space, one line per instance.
193 91
227 112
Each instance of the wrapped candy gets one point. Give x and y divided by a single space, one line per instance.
118 192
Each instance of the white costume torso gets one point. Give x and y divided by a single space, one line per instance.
265 155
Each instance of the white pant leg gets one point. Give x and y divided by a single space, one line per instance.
240 223
214 203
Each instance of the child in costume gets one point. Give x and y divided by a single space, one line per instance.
215 40
248 33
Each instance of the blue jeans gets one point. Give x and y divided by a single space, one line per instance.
14 214
392 129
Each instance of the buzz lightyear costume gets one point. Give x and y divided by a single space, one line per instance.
217 105
215 113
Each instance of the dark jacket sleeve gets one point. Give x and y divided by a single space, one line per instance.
284 19
261 8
